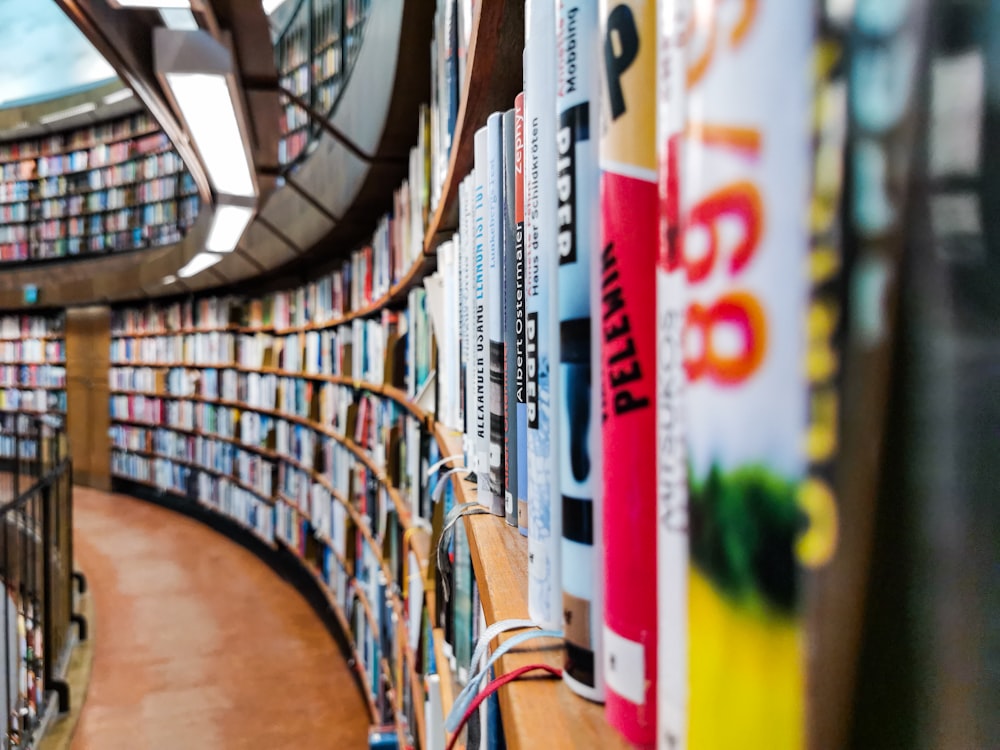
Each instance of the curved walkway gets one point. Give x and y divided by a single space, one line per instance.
199 645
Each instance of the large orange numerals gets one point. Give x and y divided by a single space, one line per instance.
742 315
741 201
704 29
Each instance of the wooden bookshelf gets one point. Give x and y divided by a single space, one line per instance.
44 334
492 80
535 712
314 54
531 708
85 193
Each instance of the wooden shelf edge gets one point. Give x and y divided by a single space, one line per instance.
536 708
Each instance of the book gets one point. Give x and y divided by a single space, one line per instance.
671 488
541 317
578 183
520 453
482 355
747 163
495 239
510 266
627 267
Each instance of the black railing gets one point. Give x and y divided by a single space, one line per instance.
36 566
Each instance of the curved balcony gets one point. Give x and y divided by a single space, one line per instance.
326 193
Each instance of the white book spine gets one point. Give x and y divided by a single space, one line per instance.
578 188
482 436
469 330
494 315
542 329
453 294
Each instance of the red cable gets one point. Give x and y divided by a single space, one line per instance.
491 688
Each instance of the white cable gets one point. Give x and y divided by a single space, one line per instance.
436 466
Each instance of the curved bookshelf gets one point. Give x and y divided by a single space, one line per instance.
112 187
314 54
378 520
33 363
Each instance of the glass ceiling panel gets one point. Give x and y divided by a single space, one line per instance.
43 55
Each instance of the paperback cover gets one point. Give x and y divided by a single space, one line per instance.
578 219
628 360
671 520
746 182
541 316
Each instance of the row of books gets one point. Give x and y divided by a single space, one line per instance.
55 180
294 142
14 233
160 189
205 312
141 217
138 237
101 155
146 168
218 493
32 356
378 425
26 351
81 138
219 457
453 20
33 376
394 349
41 400
14 212
212 348
12 192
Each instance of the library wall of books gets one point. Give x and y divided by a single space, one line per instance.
652 399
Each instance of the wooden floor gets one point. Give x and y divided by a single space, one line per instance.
199 644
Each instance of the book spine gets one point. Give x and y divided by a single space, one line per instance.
482 436
462 351
541 317
494 307
467 208
747 168
520 453
578 222
509 268
672 514
627 266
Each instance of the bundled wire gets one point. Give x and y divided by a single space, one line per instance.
491 688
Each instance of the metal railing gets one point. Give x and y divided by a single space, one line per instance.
36 567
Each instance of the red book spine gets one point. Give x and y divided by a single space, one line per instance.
629 197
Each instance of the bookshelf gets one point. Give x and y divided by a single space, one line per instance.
33 363
314 53
108 188
331 391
